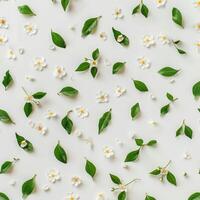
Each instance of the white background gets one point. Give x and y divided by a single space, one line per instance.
51 16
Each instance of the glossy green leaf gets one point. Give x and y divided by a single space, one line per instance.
28 187
132 156
58 40
94 71
177 17
7 80
67 124
141 86
149 198
144 10
184 129
26 10
28 108
136 9
23 143
90 168
139 141
124 41
39 95
195 196
5 167
115 179
152 143
168 71
65 4
196 89
69 91
171 178
122 196
60 153
5 118
135 111
90 26
95 54
104 121
155 172
83 67
3 196
171 97
164 110
118 67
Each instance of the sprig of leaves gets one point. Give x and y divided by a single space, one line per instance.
28 187
7 80
24 143
90 168
163 173
104 121
133 155
184 129
90 64
60 153
141 86
141 8
26 10
176 44
5 118
120 37
177 17
58 39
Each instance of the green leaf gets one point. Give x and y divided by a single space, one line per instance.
170 97
69 91
26 10
95 54
144 10
168 71
89 26
60 153
118 67
23 143
28 187
65 4
177 17
94 71
39 95
115 179
139 142
180 51
196 89
104 121
83 67
7 80
155 172
3 196
90 168
149 198
164 110
5 167
184 129
139 85
117 34
5 118
171 178
67 124
28 108
58 40
135 110
152 143
122 196
195 196
132 156
188 131
136 9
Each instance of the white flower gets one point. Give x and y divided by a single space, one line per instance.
108 152
3 39
94 63
79 133
124 165
164 39
11 54
161 3
30 29
122 187
51 114
41 129
148 41
76 181
100 196
187 156
3 23
53 175
81 112
144 63
46 188
197 26
197 3
59 72
119 91
40 63
102 97
72 196
23 144
118 13
120 38
103 36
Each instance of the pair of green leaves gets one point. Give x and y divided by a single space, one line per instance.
5 118
28 187
165 109
120 37
90 26
169 175
196 89
194 196
133 155
149 198
65 4
26 10
58 39
7 80
90 63
90 168
6 167
141 86
176 43
177 17
118 67
60 153
184 129
23 143
67 123
104 121
141 8
135 111
69 91
168 71
3 196
28 106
